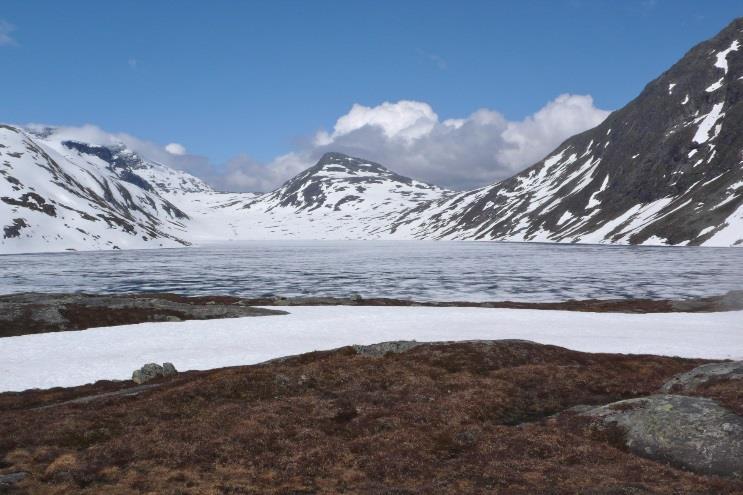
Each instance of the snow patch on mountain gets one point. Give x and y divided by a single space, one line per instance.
52 198
655 172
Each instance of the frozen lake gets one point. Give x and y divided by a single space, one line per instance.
423 270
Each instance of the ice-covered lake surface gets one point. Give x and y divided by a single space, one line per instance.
421 270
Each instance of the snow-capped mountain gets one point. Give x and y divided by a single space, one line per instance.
341 197
59 195
665 169
56 196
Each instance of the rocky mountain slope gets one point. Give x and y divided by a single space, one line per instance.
665 169
57 196
124 200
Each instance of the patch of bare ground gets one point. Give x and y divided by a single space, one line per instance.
450 418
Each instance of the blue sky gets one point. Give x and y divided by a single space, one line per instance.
259 79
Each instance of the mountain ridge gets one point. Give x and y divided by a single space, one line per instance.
631 164
51 201
666 169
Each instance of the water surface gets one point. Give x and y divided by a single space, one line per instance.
422 270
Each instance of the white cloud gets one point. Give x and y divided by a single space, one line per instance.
406 136
175 149
5 38
242 173
409 138
405 120
132 63
538 134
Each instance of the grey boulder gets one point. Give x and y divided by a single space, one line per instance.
691 380
692 432
169 369
150 371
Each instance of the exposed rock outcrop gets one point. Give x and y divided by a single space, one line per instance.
692 432
692 380
151 371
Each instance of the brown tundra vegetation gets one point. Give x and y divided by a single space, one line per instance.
476 417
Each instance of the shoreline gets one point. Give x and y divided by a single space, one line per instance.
36 313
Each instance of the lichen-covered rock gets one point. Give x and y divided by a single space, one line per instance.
691 380
395 347
400 346
692 432
150 371
169 369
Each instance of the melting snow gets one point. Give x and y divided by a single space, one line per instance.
715 86
592 201
732 231
655 241
565 217
707 123
75 358
721 62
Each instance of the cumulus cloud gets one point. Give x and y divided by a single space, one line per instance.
538 134
406 120
408 137
175 149
5 37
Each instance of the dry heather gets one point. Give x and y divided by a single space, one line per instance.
454 418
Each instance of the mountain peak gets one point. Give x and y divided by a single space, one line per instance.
333 163
333 156
131 167
343 178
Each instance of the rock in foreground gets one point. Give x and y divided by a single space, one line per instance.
151 371
705 374
402 418
693 432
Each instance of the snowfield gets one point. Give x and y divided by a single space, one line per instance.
76 358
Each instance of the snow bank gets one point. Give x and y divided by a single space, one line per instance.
74 358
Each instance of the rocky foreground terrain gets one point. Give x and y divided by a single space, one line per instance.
509 417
